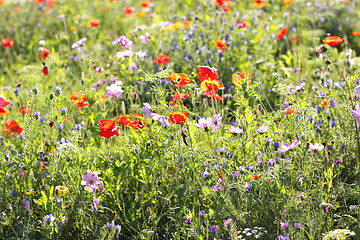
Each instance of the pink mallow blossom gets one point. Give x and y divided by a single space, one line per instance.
235 130
263 129
286 147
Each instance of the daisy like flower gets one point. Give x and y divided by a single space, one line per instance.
235 130
217 122
316 147
91 181
205 123
286 147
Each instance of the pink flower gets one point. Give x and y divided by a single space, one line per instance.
95 201
228 222
217 122
356 113
297 88
316 147
91 180
286 147
204 123
21 173
235 130
263 129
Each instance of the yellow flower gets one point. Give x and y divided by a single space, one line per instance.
61 190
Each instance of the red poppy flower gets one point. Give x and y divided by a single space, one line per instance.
221 44
255 177
212 94
162 59
45 53
7 42
177 99
287 2
3 104
93 23
45 70
128 11
124 120
220 2
186 22
79 100
333 41
206 72
259 3
208 84
11 129
179 79
178 117
244 24
290 110
145 4
236 78
137 124
25 110
355 34
281 34
108 128
324 103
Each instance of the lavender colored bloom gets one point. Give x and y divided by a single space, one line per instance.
216 188
297 225
59 126
187 221
37 113
213 228
63 110
62 16
12 192
147 110
204 123
248 187
297 88
356 113
50 217
16 90
96 201
123 41
201 213
110 225
216 122
21 135
79 43
42 118
283 237
26 204
91 181
35 89
114 90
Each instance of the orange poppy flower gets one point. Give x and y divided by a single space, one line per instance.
2 2
209 84
179 79
213 94
287 2
145 4
206 72
324 103
79 99
220 2
128 11
124 120
281 34
137 124
25 110
45 53
221 44
178 117
259 3
355 34
93 23
11 129
177 99
108 128
333 41
7 42
236 78
162 59
3 104
255 177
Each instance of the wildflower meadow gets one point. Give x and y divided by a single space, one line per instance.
193 119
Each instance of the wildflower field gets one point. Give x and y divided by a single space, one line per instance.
192 119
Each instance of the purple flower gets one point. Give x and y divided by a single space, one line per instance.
283 237
357 90
286 147
356 113
248 187
133 67
187 221
297 225
26 204
95 201
147 110
114 90
216 188
228 222
284 225
213 228
123 41
79 43
21 173
50 217
297 88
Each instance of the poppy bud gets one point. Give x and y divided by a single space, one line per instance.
51 96
323 49
18 86
51 124
328 62
308 145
